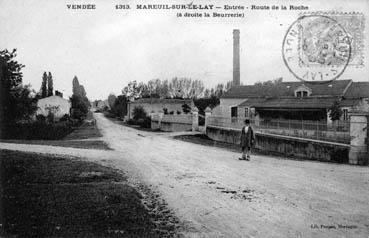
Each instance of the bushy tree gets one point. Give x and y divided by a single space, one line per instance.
203 103
139 113
58 93
111 100
16 100
120 106
186 108
140 117
79 100
80 106
335 111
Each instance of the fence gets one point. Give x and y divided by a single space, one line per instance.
336 132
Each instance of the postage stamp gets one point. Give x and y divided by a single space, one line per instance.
353 25
319 46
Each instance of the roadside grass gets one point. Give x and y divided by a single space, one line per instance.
112 118
84 131
76 139
49 196
83 144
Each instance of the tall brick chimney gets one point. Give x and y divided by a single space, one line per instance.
236 57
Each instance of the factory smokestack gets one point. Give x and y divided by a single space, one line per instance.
236 57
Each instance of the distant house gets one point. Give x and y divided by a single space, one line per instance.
55 105
155 105
294 100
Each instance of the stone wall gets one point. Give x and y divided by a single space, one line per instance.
286 146
170 126
172 122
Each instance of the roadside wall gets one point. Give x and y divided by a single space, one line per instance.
171 122
310 134
286 146
170 126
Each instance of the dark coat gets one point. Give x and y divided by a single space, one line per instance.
247 139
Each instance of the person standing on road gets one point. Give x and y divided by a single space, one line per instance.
247 140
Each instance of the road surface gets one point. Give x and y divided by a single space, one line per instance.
216 195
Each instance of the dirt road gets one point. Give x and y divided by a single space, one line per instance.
216 195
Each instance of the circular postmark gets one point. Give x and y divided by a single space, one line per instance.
316 48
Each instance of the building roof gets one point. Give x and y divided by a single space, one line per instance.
251 102
285 103
349 102
162 101
286 89
358 90
295 103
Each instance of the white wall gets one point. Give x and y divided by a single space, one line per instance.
226 104
55 104
157 107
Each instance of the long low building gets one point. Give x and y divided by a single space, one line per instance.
294 100
156 105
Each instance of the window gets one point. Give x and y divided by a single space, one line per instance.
233 111
301 94
246 112
302 91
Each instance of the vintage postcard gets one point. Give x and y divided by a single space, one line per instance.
198 118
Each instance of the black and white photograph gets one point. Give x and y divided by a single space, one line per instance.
184 119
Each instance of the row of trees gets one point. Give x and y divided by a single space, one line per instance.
174 88
47 87
178 88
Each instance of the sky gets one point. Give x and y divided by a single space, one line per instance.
106 48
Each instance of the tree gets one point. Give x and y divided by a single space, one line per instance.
335 111
229 85
16 100
164 89
219 90
143 90
185 88
44 86
75 86
186 108
111 100
80 106
58 93
131 91
50 87
207 93
120 106
79 100
269 88
139 113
